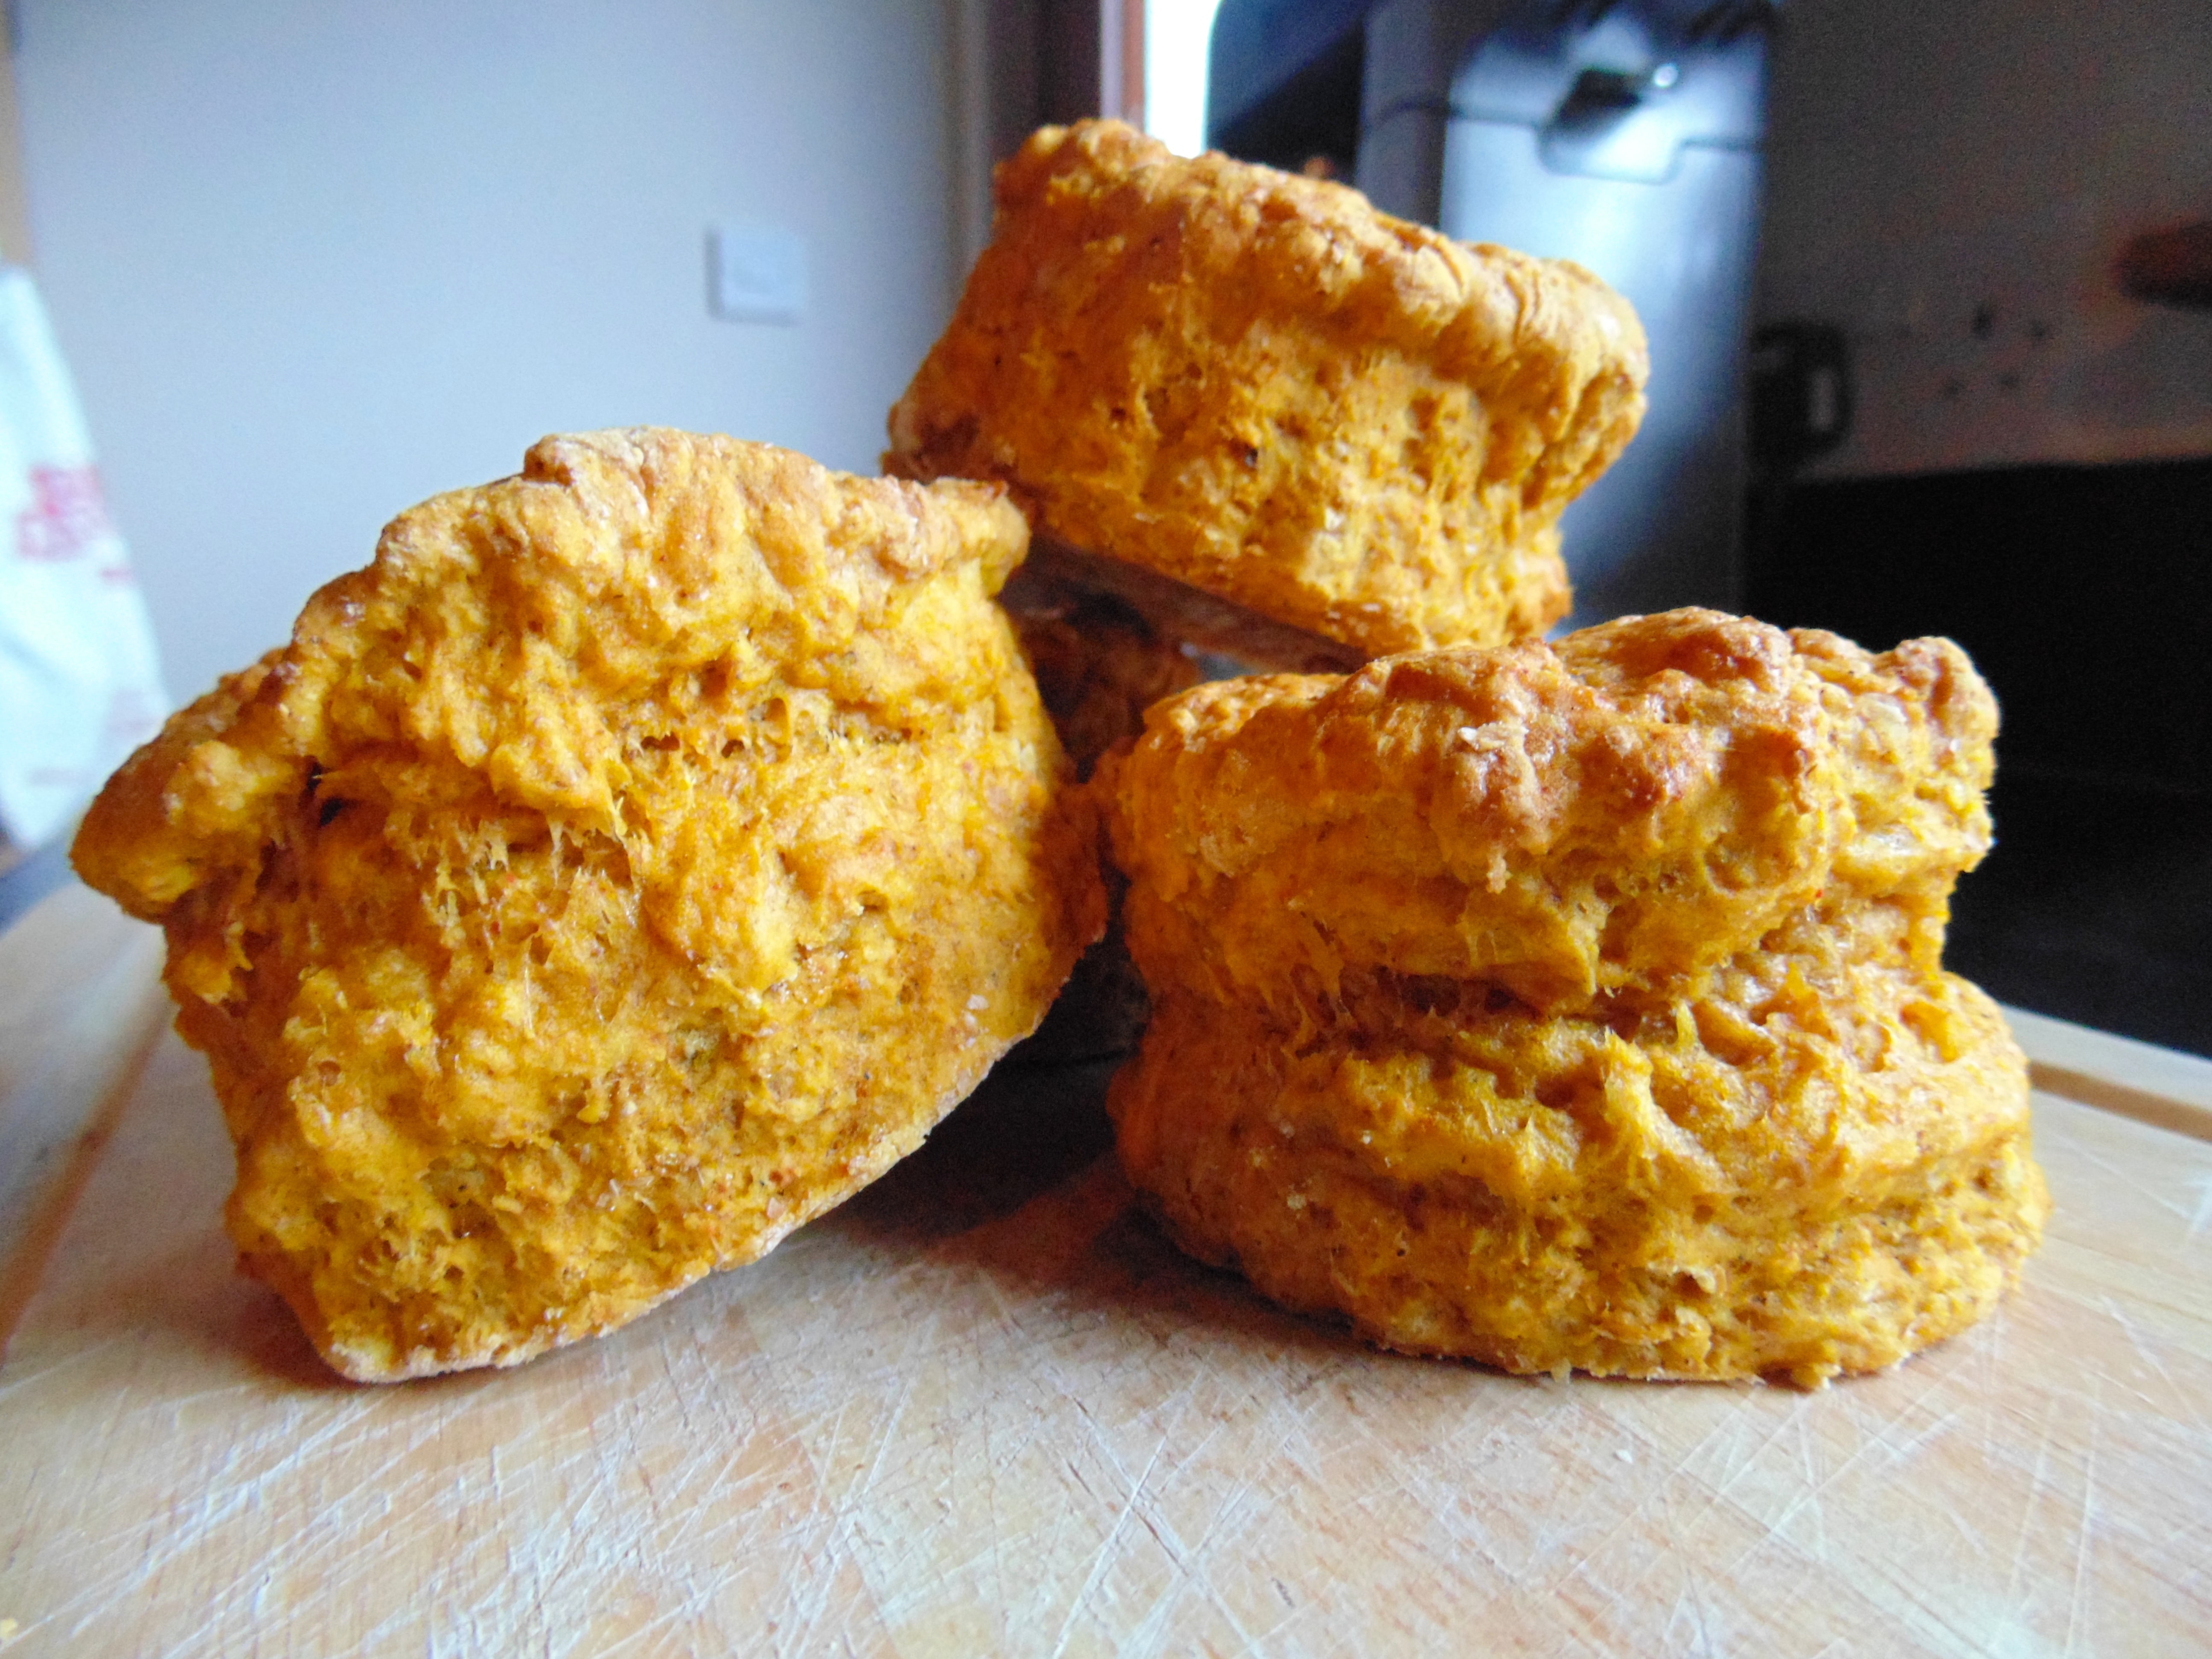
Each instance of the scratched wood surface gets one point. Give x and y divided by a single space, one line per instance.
984 1408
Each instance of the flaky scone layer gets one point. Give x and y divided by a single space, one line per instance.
1769 1181
1625 809
639 855
1256 384
1581 1007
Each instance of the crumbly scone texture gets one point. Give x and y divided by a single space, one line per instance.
1619 812
1256 384
638 856
1581 1007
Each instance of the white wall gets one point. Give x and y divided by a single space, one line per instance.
313 263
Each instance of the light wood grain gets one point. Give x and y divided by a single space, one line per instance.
2135 1080
79 999
985 1408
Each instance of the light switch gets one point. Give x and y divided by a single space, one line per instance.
755 274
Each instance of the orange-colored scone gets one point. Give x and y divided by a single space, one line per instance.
638 857
1781 1178
1581 1007
1621 811
1256 385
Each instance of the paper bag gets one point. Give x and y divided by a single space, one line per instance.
79 687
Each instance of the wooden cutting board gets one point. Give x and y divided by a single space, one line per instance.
984 1408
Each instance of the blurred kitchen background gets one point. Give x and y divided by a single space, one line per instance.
1927 288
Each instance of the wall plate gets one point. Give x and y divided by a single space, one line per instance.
755 274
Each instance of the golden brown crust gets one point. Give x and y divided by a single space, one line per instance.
638 856
1581 1007
1256 385
1643 801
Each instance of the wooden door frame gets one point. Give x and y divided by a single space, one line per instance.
15 199
1020 64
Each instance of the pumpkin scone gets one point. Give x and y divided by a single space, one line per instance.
1348 432
638 856
1581 1007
